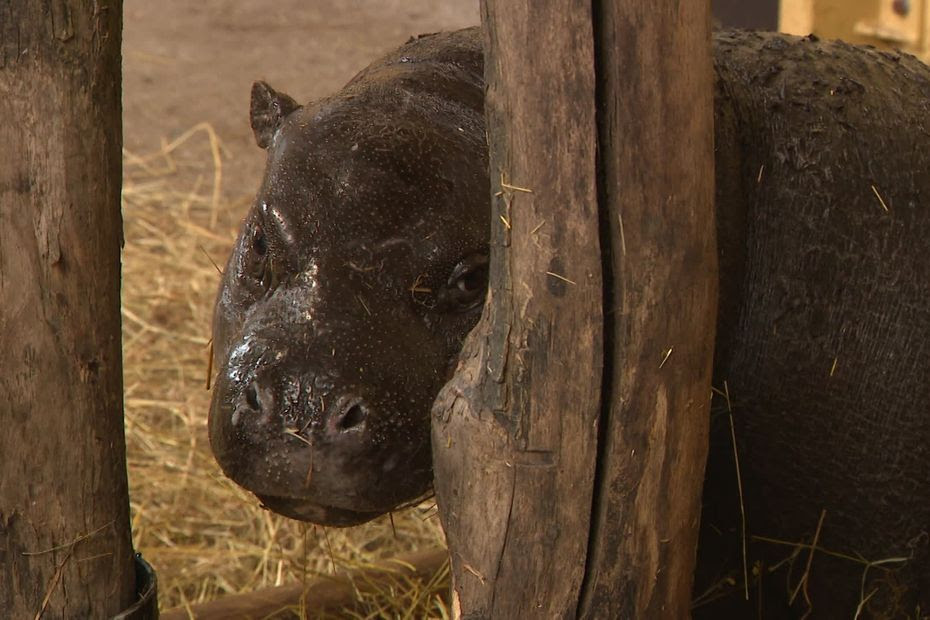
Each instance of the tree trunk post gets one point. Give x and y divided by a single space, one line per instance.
655 133
65 547
515 432
569 447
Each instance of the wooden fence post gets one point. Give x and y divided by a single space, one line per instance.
65 548
515 433
569 447
656 136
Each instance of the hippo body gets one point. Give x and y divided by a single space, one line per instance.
363 265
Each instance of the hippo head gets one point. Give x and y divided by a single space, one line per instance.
358 271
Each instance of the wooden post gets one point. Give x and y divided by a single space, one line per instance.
65 548
515 434
656 137
569 447
796 17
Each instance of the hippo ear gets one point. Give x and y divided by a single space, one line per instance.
267 111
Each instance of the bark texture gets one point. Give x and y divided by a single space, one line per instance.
515 433
656 144
65 548
599 268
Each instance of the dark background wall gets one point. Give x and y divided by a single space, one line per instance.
758 14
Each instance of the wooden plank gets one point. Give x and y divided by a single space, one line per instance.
796 17
338 593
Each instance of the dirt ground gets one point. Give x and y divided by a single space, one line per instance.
187 62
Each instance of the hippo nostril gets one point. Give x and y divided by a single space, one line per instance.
251 397
352 417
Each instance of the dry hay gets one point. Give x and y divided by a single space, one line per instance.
205 536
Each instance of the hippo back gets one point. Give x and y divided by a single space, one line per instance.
823 204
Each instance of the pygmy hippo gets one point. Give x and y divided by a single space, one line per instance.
363 264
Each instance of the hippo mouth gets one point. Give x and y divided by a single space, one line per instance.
321 514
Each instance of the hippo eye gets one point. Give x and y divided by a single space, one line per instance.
472 281
467 284
257 265
259 243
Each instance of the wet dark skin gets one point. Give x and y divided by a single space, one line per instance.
359 269
363 264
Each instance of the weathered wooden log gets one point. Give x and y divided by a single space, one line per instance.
515 432
569 447
65 548
324 595
656 141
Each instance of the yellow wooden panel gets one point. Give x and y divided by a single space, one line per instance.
796 16
889 26
873 22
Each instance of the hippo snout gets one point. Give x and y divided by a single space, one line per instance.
266 401
310 444
349 416
276 402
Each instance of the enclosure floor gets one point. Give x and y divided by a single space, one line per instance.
188 62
